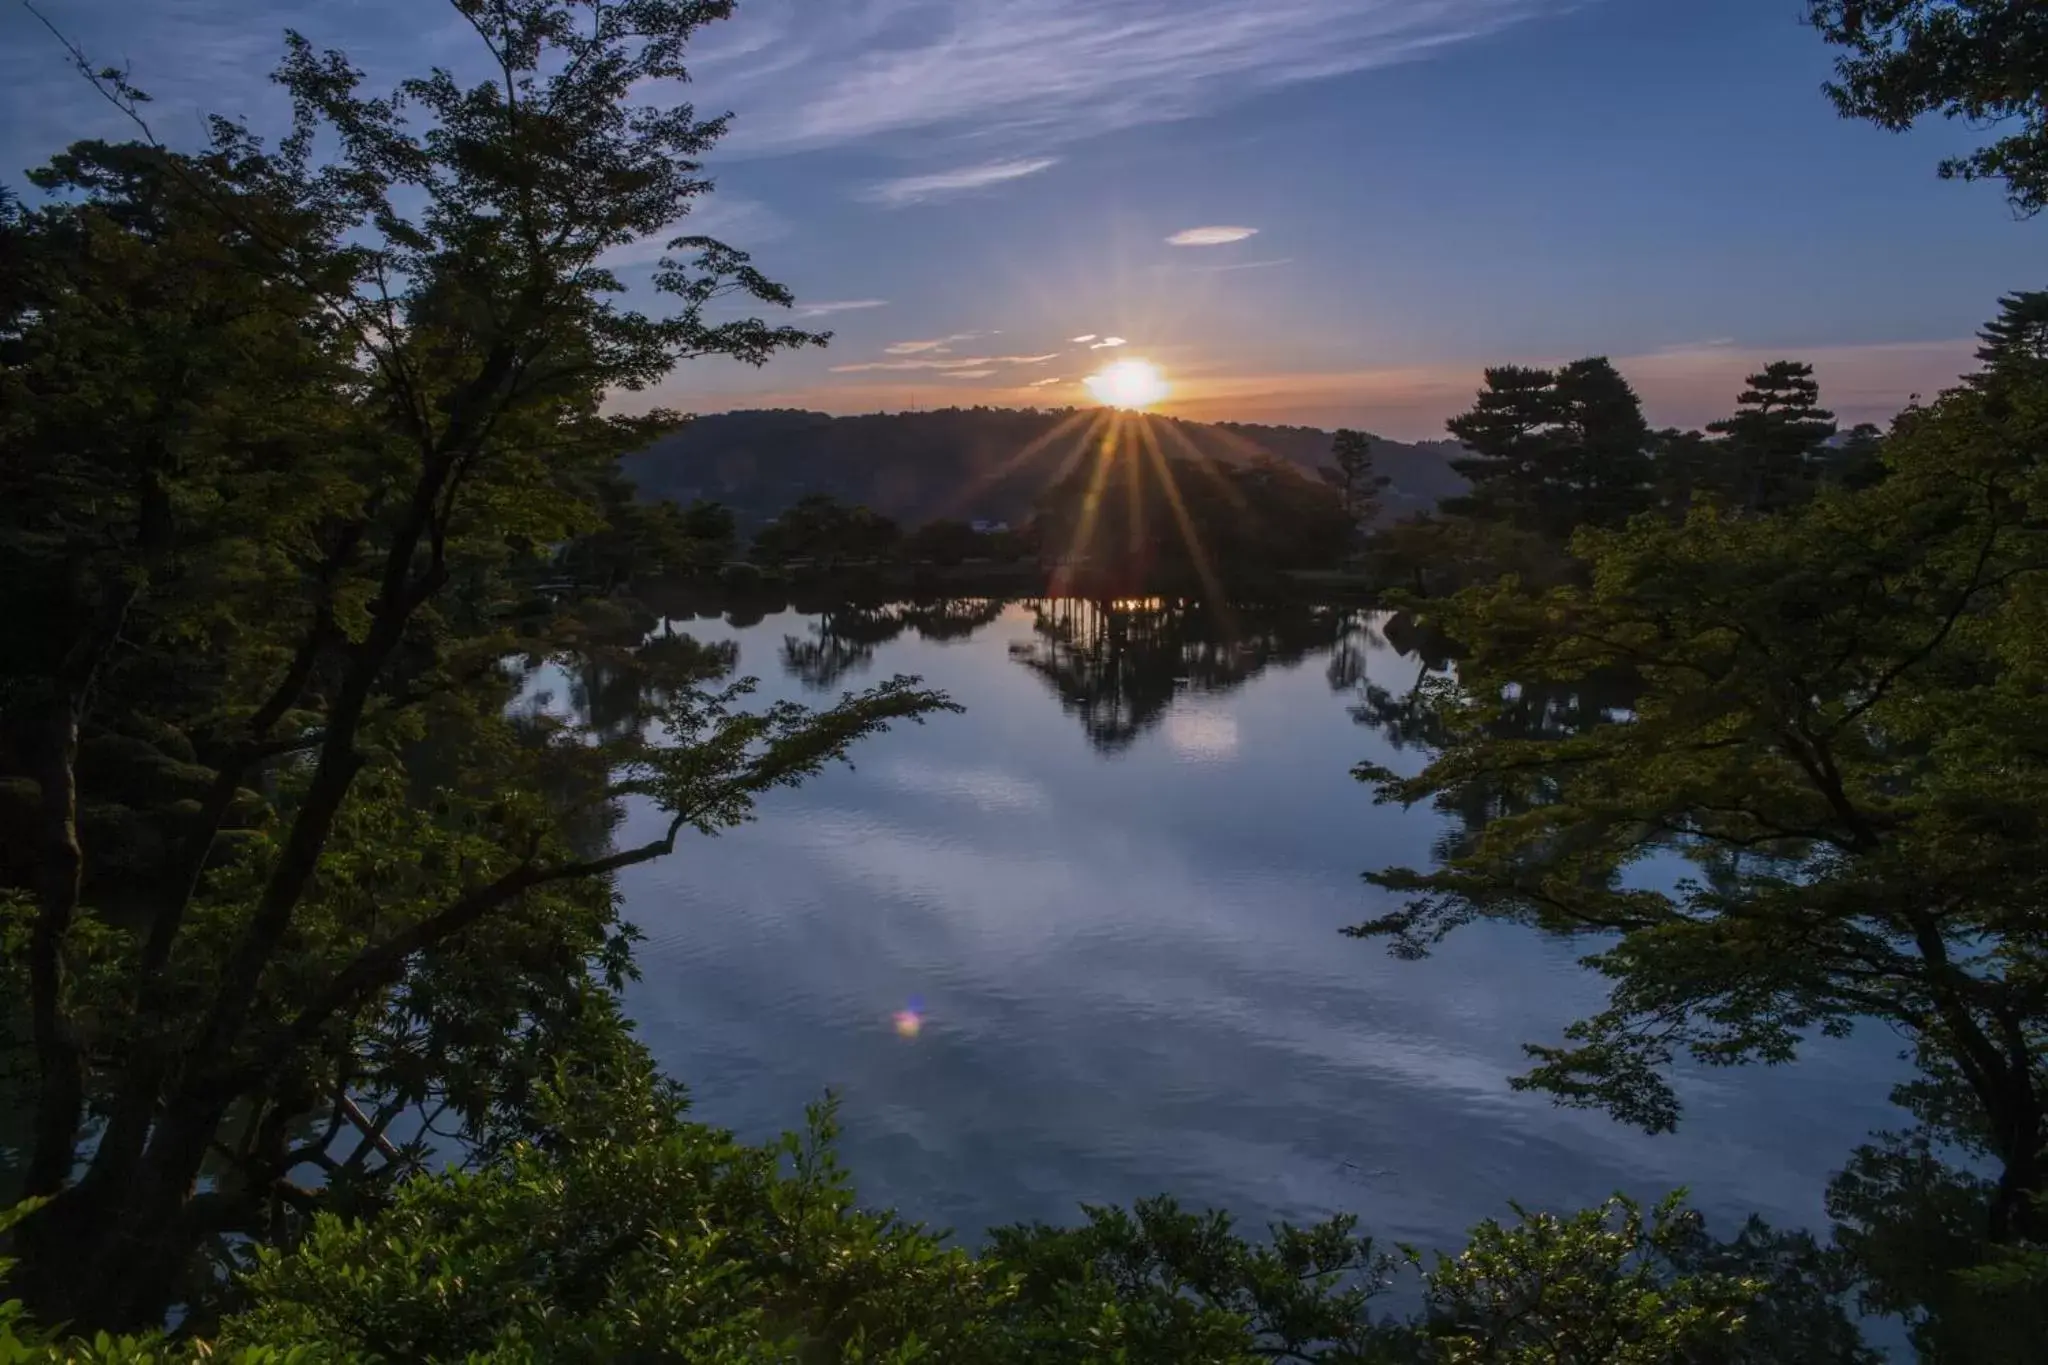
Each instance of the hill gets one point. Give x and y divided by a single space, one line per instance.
989 463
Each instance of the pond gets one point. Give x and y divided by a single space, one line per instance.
1112 891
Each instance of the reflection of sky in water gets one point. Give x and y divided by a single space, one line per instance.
1202 736
1129 978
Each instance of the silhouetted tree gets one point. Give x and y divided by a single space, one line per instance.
2016 341
1770 451
1137 521
827 533
1552 450
945 542
962 463
1350 472
1981 60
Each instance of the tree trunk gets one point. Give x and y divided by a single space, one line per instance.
2018 1213
113 1253
60 1107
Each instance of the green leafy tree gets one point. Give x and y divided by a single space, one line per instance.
1853 459
1909 1213
292 864
642 540
1436 554
1981 60
1770 452
616 1229
1605 1286
1836 727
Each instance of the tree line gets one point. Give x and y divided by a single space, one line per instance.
1542 452
964 463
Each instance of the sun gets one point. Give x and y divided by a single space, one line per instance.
1130 384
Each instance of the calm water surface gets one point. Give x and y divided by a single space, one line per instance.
1115 885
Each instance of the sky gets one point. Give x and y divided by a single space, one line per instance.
1330 212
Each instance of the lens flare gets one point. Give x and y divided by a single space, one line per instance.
910 1020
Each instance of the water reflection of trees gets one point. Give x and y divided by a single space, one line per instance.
1408 715
843 640
620 667
624 664
1118 665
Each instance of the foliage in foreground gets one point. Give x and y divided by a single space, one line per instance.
290 435
1819 801
1980 61
623 1232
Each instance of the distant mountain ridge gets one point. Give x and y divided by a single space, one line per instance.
970 463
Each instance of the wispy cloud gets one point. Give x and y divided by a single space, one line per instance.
807 74
967 374
1211 236
950 363
1245 265
916 189
1041 383
1084 338
934 345
867 366
826 310
1108 342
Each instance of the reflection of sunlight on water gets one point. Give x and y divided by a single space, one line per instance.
1204 736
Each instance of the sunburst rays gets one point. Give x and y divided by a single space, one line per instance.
1124 453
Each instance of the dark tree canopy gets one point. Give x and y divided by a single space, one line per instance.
1130 512
1555 449
1985 61
822 531
970 464
286 447
1351 473
1770 452
2015 343
1835 719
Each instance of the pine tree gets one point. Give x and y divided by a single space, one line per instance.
1554 449
1604 446
2016 341
1507 435
1351 474
1772 443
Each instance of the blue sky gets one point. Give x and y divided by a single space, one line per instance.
1434 185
